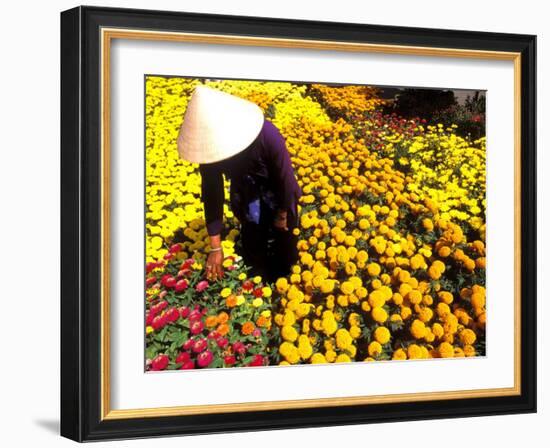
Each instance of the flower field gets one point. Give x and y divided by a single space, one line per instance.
391 238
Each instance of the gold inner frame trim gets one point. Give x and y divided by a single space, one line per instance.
107 35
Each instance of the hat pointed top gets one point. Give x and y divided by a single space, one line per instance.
217 126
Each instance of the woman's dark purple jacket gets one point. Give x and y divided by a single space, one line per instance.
263 167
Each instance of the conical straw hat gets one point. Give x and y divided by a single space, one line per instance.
217 125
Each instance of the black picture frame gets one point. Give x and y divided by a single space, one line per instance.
81 210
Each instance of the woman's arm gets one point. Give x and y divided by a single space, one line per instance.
212 194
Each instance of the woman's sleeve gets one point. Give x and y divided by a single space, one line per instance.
280 168
212 197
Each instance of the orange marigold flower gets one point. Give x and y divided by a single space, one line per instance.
223 317
261 322
231 301
223 329
211 321
247 328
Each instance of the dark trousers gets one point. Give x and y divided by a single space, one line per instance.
270 252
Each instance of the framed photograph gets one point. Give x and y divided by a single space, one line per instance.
276 224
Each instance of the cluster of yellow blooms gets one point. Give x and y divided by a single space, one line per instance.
391 249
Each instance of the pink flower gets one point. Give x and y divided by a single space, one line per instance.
168 281
222 342
257 361
205 358
160 362
195 315
229 360
201 286
150 281
239 347
257 333
197 327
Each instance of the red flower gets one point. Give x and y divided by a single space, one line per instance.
213 335
222 342
184 311
188 365
160 362
149 318
187 264
168 256
257 361
172 315
175 248
248 285
195 315
188 344
229 360
183 357
150 281
181 285
155 309
150 266
168 281
197 327
200 345
158 322
258 292
205 358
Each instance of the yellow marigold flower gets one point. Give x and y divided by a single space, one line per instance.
446 350
342 357
414 352
282 285
379 315
414 296
382 335
376 299
355 331
290 352
330 355
149 329
289 318
242 276
399 354
304 347
257 279
329 326
478 300
225 292
289 333
318 358
327 286
467 336
347 287
257 302
240 300
266 290
406 312
469 350
373 269
343 339
418 329
425 314
374 348
444 251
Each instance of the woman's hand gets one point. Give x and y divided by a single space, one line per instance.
280 221
214 266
